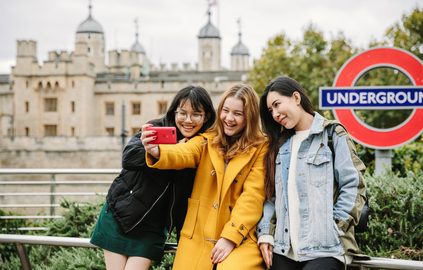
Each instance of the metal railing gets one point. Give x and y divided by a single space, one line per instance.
21 240
53 183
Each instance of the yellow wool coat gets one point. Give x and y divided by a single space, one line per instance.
225 202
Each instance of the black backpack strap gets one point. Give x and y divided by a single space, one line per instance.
330 130
364 217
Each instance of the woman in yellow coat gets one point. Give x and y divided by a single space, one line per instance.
228 194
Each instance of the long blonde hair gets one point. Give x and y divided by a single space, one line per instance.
251 135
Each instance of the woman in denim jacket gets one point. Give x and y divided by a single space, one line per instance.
313 201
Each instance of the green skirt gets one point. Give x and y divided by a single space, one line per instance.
146 241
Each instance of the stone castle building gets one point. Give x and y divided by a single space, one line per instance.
71 110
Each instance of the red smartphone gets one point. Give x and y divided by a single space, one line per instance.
165 135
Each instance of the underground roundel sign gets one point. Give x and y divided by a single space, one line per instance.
344 97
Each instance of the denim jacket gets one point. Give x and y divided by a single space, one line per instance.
329 207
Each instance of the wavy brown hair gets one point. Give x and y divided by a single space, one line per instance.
251 135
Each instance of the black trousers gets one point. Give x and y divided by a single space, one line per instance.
281 262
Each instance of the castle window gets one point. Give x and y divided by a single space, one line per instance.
56 85
72 106
27 131
110 131
110 108
26 84
48 85
50 104
26 106
88 49
162 107
50 130
73 84
136 108
73 131
40 85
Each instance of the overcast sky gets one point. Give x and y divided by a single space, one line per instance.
169 28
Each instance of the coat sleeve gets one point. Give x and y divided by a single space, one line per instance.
178 156
349 171
248 208
133 156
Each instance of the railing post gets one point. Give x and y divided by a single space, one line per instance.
52 194
26 265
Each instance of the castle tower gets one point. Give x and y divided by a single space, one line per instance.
26 55
90 42
139 62
239 53
209 47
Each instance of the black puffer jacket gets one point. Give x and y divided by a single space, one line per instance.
138 190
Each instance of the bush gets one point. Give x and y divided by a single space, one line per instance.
396 220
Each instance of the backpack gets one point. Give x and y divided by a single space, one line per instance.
364 217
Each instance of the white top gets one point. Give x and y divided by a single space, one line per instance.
293 198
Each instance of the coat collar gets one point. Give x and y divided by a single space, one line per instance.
235 165
317 124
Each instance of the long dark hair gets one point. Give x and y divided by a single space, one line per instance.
199 99
276 134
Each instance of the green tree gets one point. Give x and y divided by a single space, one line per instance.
408 33
275 60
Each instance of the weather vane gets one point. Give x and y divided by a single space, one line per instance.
136 28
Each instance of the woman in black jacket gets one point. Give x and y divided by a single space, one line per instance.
143 205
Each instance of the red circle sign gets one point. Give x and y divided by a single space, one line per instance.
348 75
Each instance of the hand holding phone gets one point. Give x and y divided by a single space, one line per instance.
164 135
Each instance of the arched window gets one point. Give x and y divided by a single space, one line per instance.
48 86
56 84
40 84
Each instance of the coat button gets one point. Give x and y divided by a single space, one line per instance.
241 227
213 172
286 230
215 205
130 192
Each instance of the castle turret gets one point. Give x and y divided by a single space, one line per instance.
209 47
90 42
239 53
139 62
26 53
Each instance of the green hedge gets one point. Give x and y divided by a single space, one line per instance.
395 229
396 220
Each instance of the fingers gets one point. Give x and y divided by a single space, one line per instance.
221 250
146 137
146 133
267 253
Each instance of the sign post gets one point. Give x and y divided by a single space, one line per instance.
343 97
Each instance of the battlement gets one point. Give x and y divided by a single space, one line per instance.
26 48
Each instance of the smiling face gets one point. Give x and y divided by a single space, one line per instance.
233 116
286 111
188 121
